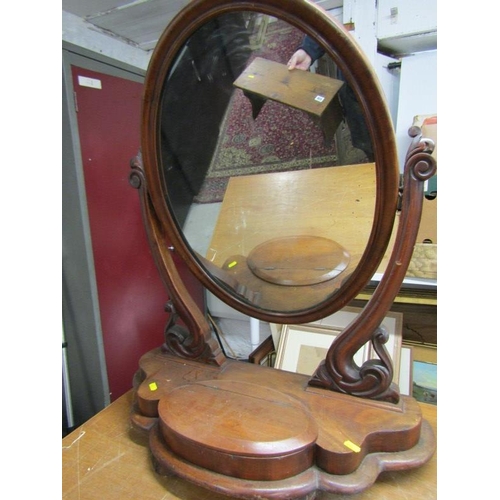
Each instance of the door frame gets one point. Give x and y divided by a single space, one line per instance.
82 332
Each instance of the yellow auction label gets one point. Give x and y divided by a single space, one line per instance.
352 446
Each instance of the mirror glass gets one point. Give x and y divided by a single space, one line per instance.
267 170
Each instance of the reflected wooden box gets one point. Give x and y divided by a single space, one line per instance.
315 94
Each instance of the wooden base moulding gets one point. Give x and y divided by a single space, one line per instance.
250 431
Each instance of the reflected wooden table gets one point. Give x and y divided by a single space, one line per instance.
106 458
337 203
332 202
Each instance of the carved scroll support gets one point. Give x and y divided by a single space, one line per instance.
373 379
192 339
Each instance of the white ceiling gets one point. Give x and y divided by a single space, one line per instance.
139 22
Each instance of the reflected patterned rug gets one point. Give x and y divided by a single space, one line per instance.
280 138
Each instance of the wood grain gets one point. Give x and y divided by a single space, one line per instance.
107 458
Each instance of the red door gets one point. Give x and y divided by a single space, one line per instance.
131 294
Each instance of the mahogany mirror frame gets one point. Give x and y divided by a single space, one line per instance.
250 431
342 48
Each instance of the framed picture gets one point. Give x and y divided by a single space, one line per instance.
405 380
424 372
301 348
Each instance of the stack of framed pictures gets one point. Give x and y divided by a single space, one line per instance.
423 371
301 348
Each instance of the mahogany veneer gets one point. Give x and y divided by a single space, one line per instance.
250 428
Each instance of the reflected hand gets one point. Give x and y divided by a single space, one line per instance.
300 60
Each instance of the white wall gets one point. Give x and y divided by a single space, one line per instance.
417 95
409 18
412 90
363 13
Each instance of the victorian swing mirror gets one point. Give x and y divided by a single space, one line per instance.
302 169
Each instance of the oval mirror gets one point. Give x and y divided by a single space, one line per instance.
277 185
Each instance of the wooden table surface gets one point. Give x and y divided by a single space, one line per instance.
336 203
332 202
107 459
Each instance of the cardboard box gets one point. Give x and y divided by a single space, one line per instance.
428 225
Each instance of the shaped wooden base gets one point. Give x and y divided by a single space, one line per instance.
250 431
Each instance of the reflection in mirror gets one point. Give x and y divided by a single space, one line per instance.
268 171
